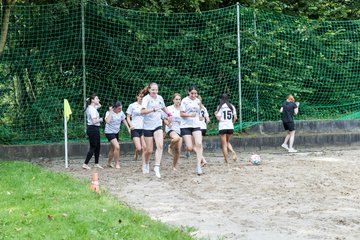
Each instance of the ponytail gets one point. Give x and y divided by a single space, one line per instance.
88 100
146 89
224 99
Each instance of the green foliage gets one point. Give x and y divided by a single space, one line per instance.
38 204
316 9
42 64
6 135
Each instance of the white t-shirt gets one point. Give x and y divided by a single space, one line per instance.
137 120
114 125
190 106
204 113
175 120
91 113
152 120
226 117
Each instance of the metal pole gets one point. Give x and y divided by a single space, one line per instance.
66 143
239 61
83 54
257 84
257 104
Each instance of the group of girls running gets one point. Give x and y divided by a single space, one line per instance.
185 121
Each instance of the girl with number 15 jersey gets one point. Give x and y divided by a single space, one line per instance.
226 114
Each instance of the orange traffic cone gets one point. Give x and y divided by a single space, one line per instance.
95 182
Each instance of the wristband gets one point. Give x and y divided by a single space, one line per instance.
153 109
169 115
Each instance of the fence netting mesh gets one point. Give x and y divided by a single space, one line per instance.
70 50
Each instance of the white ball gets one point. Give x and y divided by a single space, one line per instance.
255 159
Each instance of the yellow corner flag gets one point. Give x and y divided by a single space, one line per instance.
67 110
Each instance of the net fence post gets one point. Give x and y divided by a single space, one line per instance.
239 62
83 54
257 77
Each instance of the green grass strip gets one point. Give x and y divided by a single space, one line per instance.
38 204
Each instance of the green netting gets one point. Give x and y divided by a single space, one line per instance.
57 51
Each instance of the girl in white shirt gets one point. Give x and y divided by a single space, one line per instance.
113 118
204 117
226 114
93 121
136 122
190 125
151 107
173 129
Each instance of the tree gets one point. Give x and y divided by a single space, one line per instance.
6 9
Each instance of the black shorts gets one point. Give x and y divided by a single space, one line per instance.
188 131
203 132
174 132
111 136
290 126
226 131
137 133
150 133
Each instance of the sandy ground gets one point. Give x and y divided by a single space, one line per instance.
312 194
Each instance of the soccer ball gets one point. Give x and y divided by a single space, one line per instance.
255 159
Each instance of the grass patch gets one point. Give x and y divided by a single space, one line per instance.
38 204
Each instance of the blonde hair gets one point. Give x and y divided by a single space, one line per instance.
201 104
290 98
176 95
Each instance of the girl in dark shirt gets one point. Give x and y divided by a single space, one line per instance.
288 109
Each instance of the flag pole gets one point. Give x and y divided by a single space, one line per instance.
66 143
67 113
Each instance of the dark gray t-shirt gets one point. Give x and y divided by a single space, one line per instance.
288 111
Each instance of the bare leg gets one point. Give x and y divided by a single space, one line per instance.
110 155
115 152
143 150
170 150
159 142
286 140
136 155
117 155
177 153
149 148
198 148
292 137
234 156
224 147
203 161
175 138
188 142
137 143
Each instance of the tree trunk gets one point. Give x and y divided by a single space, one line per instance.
6 6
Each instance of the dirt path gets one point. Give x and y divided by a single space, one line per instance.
307 195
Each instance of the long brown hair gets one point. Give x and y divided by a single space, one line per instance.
146 89
225 99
